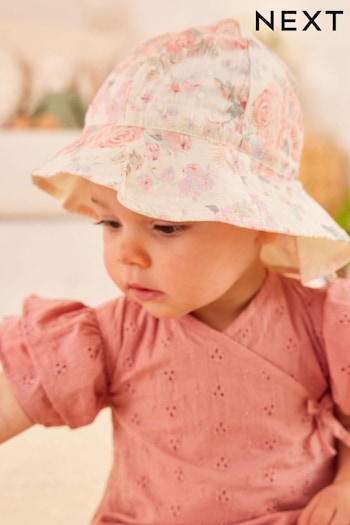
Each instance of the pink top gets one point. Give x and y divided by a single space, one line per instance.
209 427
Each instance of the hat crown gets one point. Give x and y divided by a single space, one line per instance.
218 83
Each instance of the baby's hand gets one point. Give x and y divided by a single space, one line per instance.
331 506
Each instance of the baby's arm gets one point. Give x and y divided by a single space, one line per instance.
13 420
331 506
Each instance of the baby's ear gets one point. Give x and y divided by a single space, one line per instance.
266 237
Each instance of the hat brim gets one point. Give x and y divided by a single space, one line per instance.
180 178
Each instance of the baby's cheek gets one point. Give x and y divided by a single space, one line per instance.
111 266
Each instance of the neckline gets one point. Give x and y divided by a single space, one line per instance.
243 318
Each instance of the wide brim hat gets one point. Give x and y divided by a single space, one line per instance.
203 125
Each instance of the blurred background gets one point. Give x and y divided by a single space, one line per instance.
53 56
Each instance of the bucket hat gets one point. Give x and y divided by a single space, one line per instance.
203 125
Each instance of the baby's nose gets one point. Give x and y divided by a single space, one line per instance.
131 251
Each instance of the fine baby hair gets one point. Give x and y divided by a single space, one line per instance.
233 407
203 125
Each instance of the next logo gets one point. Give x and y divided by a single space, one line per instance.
290 20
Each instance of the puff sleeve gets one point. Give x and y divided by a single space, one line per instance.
53 355
336 333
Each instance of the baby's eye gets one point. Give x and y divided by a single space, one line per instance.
169 229
110 224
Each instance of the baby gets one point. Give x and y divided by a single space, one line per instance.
226 375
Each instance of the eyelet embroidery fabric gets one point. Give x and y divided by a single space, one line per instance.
209 427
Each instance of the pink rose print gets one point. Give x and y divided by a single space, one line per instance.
107 137
147 48
195 182
146 97
180 41
177 141
114 106
268 109
228 43
227 36
113 136
145 180
230 27
265 172
191 83
168 175
152 151
113 109
109 102
175 87
241 95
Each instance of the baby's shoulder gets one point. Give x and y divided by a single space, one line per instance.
330 299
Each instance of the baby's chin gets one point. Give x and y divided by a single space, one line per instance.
160 311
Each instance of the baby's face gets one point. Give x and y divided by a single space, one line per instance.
209 269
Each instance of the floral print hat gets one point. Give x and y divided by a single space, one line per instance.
203 125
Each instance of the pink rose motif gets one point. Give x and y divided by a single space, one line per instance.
268 110
146 50
152 151
266 173
121 96
105 104
168 175
229 27
227 35
191 83
195 182
177 141
241 95
113 136
146 97
113 109
227 43
145 180
180 41
175 87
